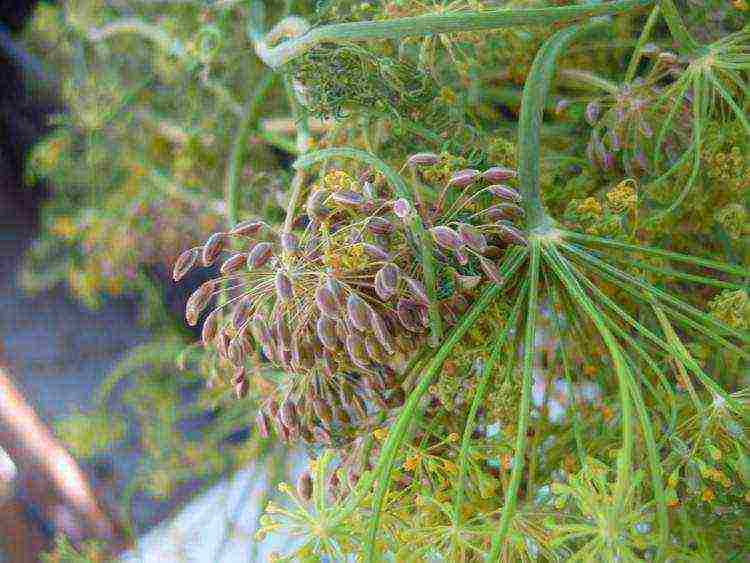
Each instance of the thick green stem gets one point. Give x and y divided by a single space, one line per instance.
530 123
686 43
644 37
249 122
458 22
524 409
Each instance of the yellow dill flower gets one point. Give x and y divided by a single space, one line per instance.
380 433
624 196
708 495
590 205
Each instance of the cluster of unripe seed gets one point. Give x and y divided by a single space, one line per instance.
338 301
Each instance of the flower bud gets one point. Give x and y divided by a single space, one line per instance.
463 178
288 413
408 315
512 235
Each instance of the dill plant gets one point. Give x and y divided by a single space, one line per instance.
505 308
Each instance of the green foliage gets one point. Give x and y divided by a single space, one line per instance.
507 323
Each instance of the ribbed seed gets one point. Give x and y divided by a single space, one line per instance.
326 331
386 281
259 255
213 247
358 312
184 264
233 264
326 302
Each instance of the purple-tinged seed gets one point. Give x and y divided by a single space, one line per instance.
376 252
284 289
210 327
259 255
247 228
498 174
262 423
305 486
184 264
386 281
502 211
472 237
379 226
491 270
423 159
198 301
348 198
213 247
289 243
355 347
326 331
592 112
446 237
512 235
408 315
381 332
418 290
359 312
326 302
234 263
505 192
463 178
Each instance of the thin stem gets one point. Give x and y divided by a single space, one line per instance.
590 79
500 341
248 123
686 43
530 120
635 58
524 408
303 144
459 22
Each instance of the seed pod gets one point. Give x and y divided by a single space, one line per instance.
498 174
262 423
259 255
326 302
386 281
338 291
374 349
446 237
355 347
198 301
463 178
260 330
472 237
348 198
322 410
305 486
289 243
376 252
491 270
326 331
468 283
512 235
418 290
184 264
282 334
288 413
222 343
502 211
379 226
402 208
505 192
408 315
247 228
381 332
213 247
242 311
592 112
358 312
316 205
284 289
561 106
233 264
423 159
210 327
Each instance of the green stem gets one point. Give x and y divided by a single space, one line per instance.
530 120
249 122
642 39
500 341
398 430
588 78
686 43
459 22
524 409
